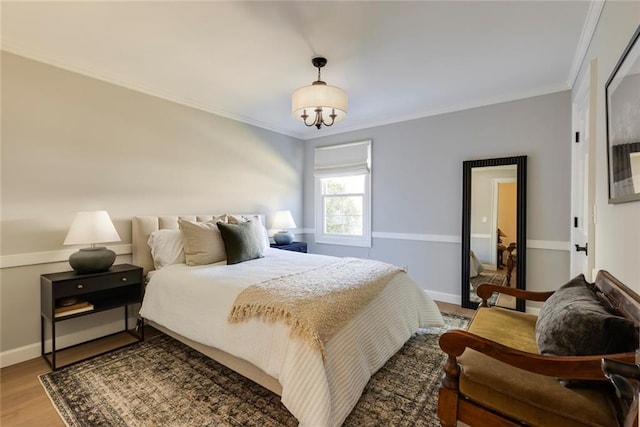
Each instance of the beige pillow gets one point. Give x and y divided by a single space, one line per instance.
202 242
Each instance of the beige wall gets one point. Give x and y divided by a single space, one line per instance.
73 143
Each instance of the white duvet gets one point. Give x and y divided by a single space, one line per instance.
195 302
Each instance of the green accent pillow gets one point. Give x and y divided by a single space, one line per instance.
240 242
574 321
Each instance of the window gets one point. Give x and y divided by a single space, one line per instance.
342 194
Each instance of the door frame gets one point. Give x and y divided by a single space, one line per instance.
494 217
584 99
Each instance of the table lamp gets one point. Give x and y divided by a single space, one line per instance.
90 228
283 221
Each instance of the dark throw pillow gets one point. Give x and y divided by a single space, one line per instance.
575 322
240 242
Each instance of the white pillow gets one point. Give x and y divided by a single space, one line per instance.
475 266
166 248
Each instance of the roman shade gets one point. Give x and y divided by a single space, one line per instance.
344 159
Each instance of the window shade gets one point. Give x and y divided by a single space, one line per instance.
344 159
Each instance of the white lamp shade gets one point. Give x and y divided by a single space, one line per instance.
282 220
329 98
91 227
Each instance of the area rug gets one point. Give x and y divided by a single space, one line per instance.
162 382
486 277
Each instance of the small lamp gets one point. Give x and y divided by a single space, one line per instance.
500 235
283 221
91 228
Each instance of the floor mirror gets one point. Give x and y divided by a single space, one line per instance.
494 228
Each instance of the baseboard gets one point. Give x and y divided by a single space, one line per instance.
444 297
20 354
32 351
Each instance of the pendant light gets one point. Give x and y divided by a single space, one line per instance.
319 104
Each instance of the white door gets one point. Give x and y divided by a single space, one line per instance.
581 193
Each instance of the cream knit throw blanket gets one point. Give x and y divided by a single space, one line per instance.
316 303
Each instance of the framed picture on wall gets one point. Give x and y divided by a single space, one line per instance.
623 125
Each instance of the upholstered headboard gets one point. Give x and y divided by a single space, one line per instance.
143 226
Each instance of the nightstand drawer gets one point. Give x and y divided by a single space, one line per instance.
98 283
292 247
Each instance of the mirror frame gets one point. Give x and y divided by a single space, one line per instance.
521 223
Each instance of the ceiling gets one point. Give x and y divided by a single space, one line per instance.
396 60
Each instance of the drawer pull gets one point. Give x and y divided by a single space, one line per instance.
80 286
124 279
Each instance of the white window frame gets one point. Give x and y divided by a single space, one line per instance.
342 170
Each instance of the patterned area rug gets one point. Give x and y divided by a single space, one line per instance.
486 277
162 382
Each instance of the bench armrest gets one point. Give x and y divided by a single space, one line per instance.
485 290
615 367
454 343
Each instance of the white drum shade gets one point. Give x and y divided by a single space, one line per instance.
329 98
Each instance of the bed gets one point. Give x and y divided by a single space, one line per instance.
319 388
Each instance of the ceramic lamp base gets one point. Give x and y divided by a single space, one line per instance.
92 260
283 237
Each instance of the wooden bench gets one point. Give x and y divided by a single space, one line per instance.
495 376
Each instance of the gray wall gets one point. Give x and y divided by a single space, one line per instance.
417 185
71 143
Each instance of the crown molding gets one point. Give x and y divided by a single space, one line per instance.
588 31
436 112
303 134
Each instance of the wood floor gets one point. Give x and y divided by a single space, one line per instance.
454 308
23 402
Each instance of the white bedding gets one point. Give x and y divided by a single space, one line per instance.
195 302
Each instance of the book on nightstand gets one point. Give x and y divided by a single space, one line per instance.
76 308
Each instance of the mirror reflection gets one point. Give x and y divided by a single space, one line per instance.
493 228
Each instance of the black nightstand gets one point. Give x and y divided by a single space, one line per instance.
293 246
85 294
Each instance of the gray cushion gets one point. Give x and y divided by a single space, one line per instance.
575 322
240 242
